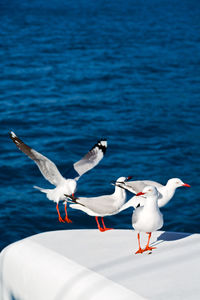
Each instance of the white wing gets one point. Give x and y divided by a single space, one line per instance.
133 202
91 159
46 166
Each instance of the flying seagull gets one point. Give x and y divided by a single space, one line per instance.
51 173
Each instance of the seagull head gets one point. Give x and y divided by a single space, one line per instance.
148 191
121 180
176 182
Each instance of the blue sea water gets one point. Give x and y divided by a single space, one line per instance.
73 72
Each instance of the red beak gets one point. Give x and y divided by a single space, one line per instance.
129 177
185 184
140 193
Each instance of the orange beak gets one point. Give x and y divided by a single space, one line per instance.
185 184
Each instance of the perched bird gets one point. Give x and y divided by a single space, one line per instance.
147 218
101 206
165 192
51 173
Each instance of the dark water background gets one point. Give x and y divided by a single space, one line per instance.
75 71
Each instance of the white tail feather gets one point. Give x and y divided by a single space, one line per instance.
41 189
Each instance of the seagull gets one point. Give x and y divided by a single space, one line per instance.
51 173
101 206
165 192
147 218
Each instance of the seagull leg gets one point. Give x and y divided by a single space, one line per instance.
104 226
100 229
59 216
66 216
147 246
140 250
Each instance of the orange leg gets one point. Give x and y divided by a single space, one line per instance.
140 250
59 216
66 216
147 246
104 226
100 229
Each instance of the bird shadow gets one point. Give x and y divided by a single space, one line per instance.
170 236
13 297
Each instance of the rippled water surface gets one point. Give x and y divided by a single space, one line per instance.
73 72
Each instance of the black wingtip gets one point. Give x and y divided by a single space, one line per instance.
13 137
12 134
102 145
72 199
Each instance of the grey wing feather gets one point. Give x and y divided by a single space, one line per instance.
138 185
100 205
136 214
91 159
46 166
154 183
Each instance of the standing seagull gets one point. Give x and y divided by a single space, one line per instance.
102 206
147 218
165 192
51 173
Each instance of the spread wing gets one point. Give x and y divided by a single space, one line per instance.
91 159
138 185
46 166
